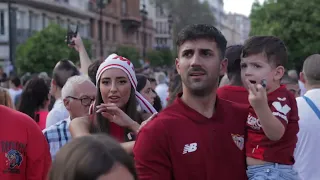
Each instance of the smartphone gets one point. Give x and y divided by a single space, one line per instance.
264 83
71 34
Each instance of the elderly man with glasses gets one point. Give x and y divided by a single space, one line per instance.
77 94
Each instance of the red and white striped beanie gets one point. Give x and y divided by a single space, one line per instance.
115 61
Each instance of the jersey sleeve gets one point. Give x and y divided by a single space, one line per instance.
284 107
151 152
38 154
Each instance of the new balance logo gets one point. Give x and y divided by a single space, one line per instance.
188 148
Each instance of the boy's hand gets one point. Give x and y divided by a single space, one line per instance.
257 95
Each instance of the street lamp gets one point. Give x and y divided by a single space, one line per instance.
144 15
101 4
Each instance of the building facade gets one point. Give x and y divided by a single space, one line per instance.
121 23
241 23
161 22
234 27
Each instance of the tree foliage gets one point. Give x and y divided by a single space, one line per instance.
296 22
186 12
130 53
161 57
155 57
44 49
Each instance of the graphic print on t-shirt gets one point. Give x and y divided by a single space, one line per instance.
13 152
279 110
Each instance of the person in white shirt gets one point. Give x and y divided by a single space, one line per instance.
15 90
162 88
63 70
307 152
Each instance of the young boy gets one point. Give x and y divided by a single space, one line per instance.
272 122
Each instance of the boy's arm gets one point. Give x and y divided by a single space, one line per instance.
272 126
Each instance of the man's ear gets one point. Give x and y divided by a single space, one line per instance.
280 70
223 66
302 78
66 103
177 65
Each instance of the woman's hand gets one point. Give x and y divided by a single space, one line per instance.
79 127
114 114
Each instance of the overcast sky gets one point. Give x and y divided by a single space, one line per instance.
239 6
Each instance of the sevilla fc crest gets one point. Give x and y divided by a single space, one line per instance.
238 140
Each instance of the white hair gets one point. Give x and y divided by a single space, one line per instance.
70 87
293 74
160 77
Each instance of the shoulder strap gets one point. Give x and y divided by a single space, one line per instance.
313 106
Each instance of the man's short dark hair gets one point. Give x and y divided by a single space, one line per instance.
272 47
92 70
233 54
202 31
15 81
63 71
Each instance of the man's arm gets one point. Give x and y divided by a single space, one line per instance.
83 55
151 152
38 154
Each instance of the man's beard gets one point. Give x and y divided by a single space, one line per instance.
203 90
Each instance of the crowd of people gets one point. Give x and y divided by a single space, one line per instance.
231 113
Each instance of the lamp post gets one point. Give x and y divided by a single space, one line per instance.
101 4
144 15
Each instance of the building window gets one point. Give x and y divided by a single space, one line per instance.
114 31
124 7
22 20
150 40
159 12
2 18
107 26
92 24
158 27
137 37
34 21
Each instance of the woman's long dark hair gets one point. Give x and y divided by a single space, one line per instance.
33 97
101 124
142 81
89 157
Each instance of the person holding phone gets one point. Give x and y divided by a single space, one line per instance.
74 40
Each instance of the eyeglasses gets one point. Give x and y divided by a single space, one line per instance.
85 101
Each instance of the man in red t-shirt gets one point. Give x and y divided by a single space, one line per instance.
235 91
200 136
272 122
24 151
